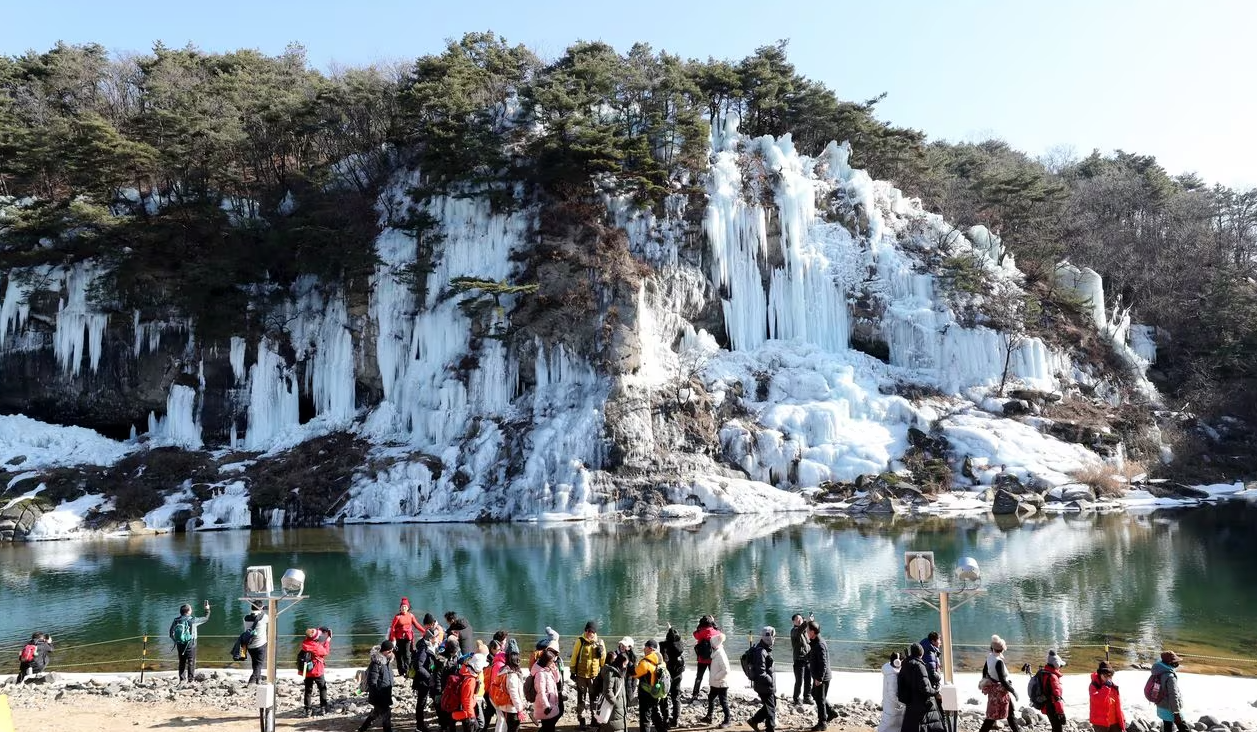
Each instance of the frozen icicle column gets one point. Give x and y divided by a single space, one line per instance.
804 301
273 399
80 330
181 425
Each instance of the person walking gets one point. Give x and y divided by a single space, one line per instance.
673 652
587 655
447 667
799 649
703 634
510 676
919 694
1106 702
931 653
718 682
892 708
402 632
818 669
256 623
997 686
317 644
380 688
183 633
763 681
459 626
647 673
425 680
614 695
1053 706
1170 701
548 705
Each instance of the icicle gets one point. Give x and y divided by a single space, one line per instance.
78 329
273 399
236 357
15 308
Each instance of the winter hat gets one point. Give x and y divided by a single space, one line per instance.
591 627
1105 668
312 633
386 646
476 664
652 644
406 601
998 645
627 641
511 646
554 646
767 635
1054 660
1169 657
428 619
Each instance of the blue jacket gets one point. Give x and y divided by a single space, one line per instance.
1171 697
931 654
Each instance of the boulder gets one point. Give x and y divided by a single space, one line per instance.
1209 721
1007 503
1016 408
1008 482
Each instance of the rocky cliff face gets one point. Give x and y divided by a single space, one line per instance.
785 331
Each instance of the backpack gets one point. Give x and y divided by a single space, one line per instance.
1154 689
530 688
1036 691
702 649
746 661
497 689
455 693
181 633
663 681
360 677
28 653
238 652
305 662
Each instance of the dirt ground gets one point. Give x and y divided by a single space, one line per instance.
103 714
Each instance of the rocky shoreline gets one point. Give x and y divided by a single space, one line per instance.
227 693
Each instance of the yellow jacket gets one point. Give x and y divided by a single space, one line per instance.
587 657
647 667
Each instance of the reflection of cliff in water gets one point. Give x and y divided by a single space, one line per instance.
1062 580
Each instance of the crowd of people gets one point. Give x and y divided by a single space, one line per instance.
911 699
462 684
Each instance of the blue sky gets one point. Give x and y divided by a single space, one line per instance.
1171 79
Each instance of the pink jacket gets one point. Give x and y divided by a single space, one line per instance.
547 685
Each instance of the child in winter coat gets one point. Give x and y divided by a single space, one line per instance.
1054 707
1106 702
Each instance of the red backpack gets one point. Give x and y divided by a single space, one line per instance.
458 699
28 653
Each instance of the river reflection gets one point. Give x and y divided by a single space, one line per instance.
1068 582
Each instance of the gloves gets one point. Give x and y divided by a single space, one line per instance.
547 712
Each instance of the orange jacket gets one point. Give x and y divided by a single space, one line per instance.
1106 703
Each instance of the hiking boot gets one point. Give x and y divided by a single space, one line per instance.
323 710
706 720
580 724
818 728
754 727
306 712
726 724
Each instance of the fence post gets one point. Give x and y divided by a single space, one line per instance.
1106 649
143 659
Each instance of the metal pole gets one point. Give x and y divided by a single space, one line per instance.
143 659
944 621
272 607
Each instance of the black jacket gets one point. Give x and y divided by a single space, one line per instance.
919 693
673 653
422 663
798 642
466 636
762 666
818 660
379 682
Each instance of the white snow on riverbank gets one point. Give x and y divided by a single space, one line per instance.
28 444
65 521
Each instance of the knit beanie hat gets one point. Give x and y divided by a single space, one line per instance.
652 643
312 633
406 601
1054 660
428 619
511 646
386 646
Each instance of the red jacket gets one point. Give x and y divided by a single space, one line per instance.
403 627
1053 691
319 651
705 633
1106 703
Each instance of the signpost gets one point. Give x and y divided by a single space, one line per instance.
259 588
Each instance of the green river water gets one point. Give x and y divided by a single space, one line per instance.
1184 578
